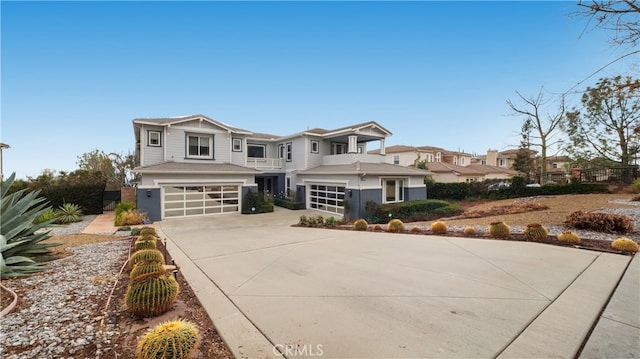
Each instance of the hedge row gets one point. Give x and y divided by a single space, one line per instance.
422 210
288 204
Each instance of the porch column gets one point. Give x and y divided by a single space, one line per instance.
382 150
353 144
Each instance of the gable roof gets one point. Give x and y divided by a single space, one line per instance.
168 121
493 169
191 168
362 168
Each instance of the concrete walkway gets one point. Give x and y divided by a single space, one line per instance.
273 290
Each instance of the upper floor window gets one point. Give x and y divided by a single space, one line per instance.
237 145
289 151
315 146
153 138
338 148
462 160
256 151
280 151
199 146
438 157
455 160
396 159
502 162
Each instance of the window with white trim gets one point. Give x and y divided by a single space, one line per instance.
153 138
392 190
237 145
315 146
256 151
502 162
288 186
280 151
338 148
396 159
289 151
199 146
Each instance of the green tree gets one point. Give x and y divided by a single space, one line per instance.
524 161
541 123
607 125
115 167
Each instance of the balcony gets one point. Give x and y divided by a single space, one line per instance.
264 163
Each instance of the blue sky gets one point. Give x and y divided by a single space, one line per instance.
75 74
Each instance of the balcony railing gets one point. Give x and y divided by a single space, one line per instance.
347 158
264 163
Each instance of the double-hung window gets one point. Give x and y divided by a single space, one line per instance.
289 151
392 190
153 138
199 146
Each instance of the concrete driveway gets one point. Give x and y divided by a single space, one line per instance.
274 290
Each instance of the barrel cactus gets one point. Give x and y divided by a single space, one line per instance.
175 339
415 229
625 244
395 225
152 295
536 232
469 231
146 255
147 237
149 231
377 227
439 227
498 229
569 237
139 245
360 225
145 269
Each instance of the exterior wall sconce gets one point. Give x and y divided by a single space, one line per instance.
148 193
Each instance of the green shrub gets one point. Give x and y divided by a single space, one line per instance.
135 231
395 225
360 225
625 245
176 339
22 252
602 222
536 232
331 222
304 221
421 210
68 213
48 215
129 218
251 202
124 207
124 228
266 208
288 204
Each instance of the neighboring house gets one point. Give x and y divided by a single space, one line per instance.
558 169
195 165
408 155
446 173
504 159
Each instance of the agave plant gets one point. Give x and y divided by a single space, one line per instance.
21 250
68 213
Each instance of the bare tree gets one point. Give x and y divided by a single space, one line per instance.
622 17
542 124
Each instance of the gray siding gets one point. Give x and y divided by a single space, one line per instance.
315 159
177 144
358 199
238 158
151 154
415 193
149 204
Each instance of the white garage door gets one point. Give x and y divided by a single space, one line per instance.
326 197
182 201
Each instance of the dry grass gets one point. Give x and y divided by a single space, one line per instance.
73 240
559 207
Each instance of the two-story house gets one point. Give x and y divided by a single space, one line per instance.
195 165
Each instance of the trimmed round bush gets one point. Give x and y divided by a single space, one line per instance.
569 237
395 225
439 227
360 225
536 232
175 339
499 229
469 231
625 244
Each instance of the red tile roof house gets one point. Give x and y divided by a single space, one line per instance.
197 166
